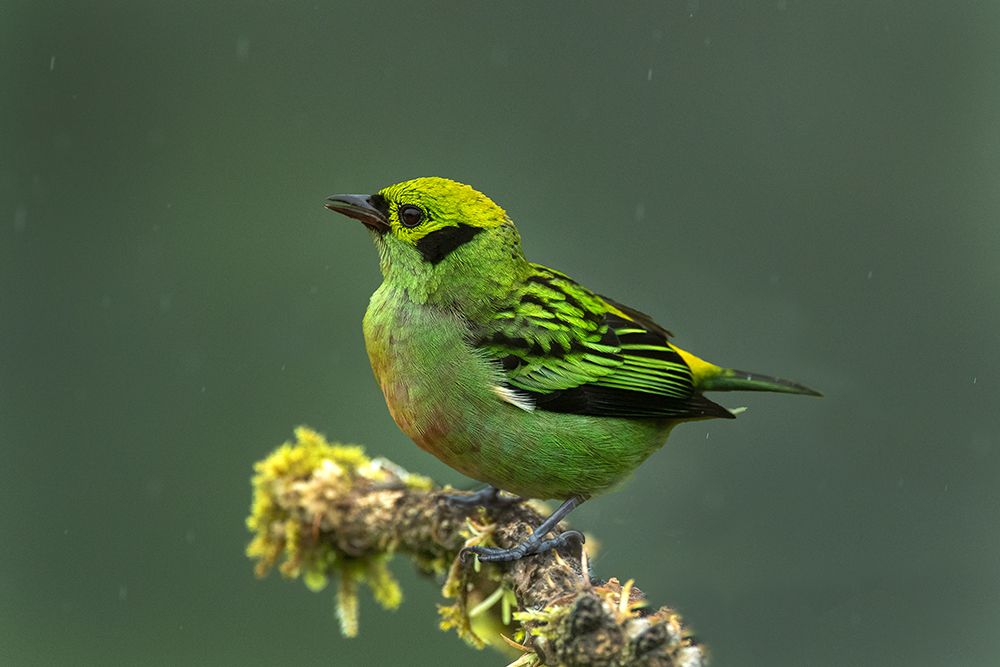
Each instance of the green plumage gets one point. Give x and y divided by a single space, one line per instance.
573 351
508 371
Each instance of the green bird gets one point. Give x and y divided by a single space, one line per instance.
510 372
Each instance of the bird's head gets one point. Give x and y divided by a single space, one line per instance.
440 240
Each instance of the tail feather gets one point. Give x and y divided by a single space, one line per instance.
730 379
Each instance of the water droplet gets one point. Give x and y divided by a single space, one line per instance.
649 74
242 47
499 56
20 218
52 64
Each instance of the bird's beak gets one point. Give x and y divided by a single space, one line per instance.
360 208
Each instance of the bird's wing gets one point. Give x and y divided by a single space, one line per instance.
565 349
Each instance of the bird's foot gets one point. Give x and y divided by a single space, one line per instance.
536 542
488 496
532 545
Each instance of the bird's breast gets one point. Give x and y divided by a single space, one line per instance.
433 382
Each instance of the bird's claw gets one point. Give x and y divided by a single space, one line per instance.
488 496
527 548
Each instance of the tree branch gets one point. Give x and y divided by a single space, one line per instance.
328 511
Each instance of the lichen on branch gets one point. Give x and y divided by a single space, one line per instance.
325 511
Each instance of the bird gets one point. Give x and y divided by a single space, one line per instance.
511 372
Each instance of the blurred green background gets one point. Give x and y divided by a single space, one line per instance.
801 188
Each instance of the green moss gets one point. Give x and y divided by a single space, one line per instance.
280 536
347 605
480 613
545 622
384 586
456 616
325 512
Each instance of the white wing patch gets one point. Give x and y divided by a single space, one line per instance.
514 397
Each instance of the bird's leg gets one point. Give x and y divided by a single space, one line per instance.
535 544
488 496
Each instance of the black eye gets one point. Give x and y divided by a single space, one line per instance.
410 216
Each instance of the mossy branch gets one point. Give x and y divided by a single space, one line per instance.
328 511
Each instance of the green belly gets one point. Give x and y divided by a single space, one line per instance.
439 392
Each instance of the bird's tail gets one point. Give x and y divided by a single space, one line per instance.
730 379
